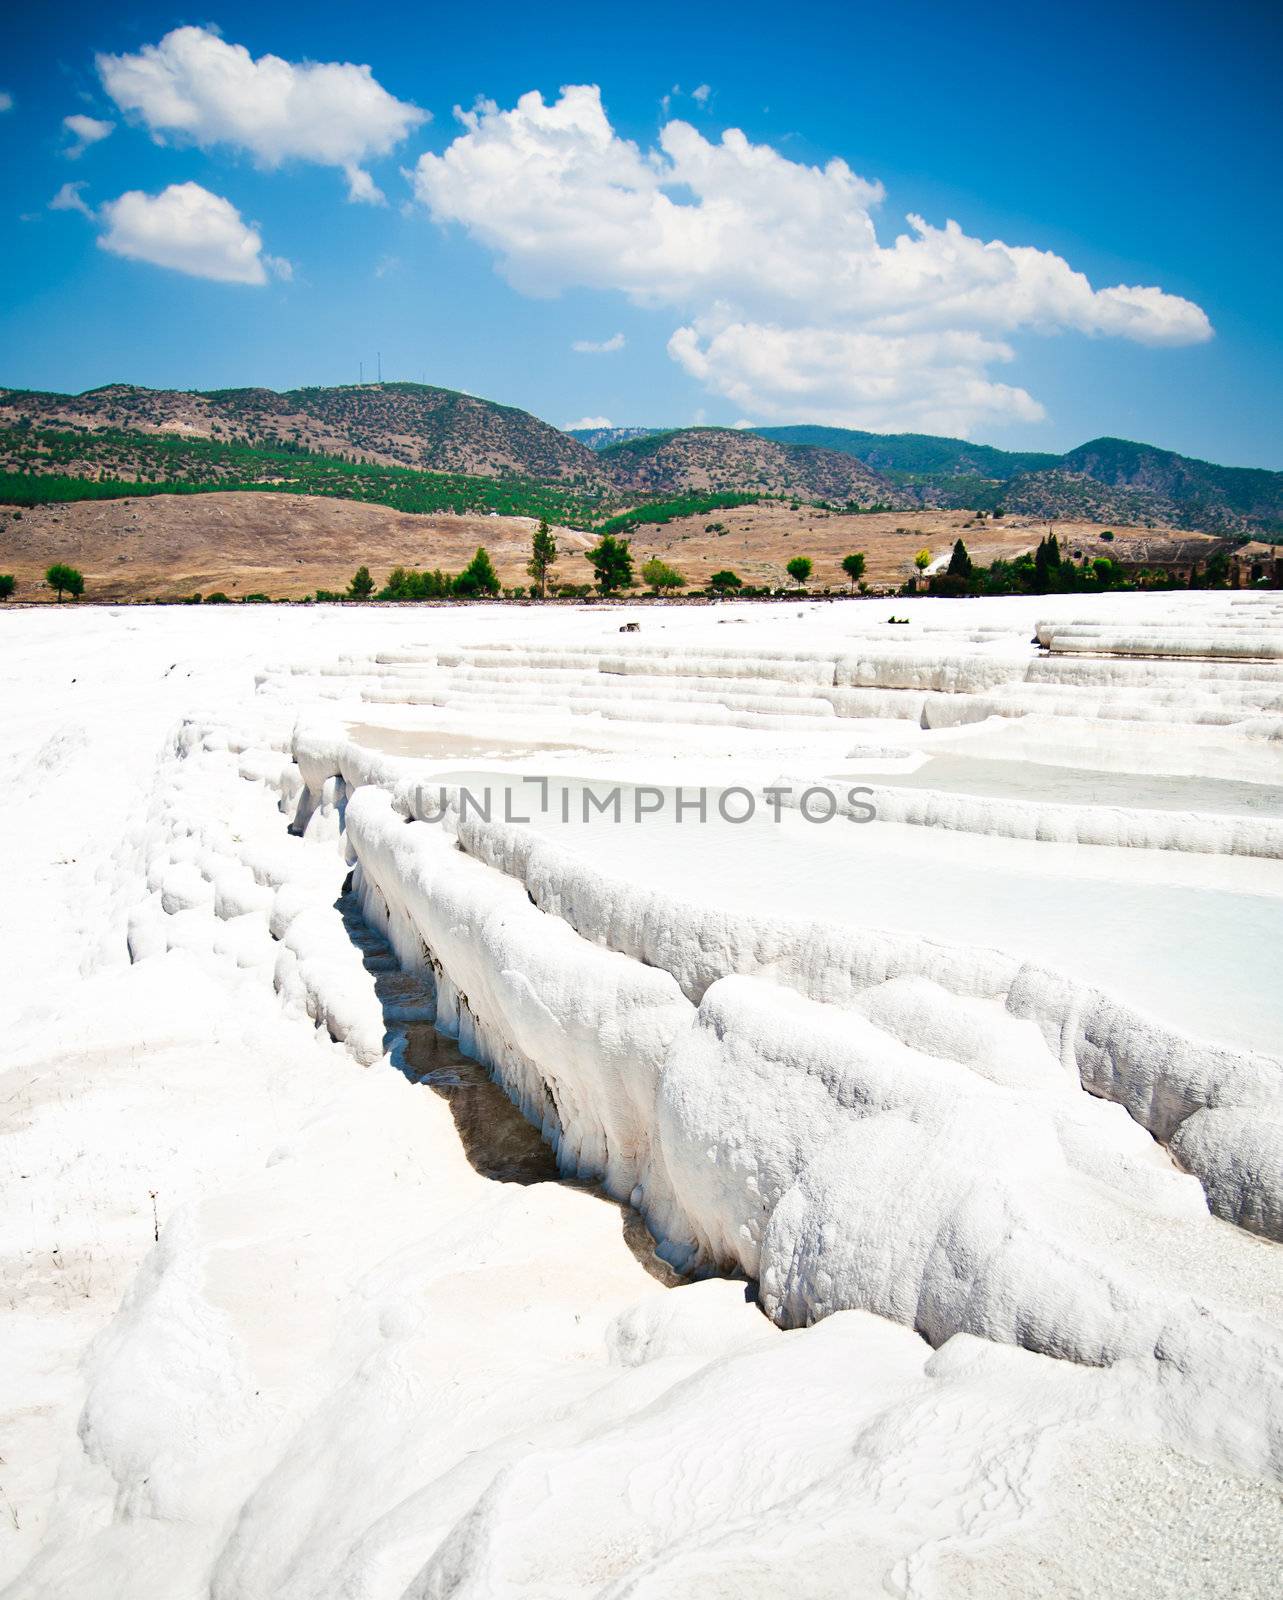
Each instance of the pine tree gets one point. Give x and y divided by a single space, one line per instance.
478 577
1042 567
853 566
543 556
60 577
960 562
612 561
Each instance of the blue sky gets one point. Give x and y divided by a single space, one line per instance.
247 221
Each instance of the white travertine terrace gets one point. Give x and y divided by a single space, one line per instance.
1010 1203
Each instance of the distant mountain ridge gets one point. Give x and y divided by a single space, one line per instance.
600 438
914 455
121 432
1105 479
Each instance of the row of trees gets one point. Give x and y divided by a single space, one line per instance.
611 560
477 579
60 577
1049 571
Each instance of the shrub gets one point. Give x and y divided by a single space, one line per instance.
799 569
660 577
404 583
65 578
218 598
853 566
725 583
8 583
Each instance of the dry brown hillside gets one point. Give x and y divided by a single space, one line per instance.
288 545
283 545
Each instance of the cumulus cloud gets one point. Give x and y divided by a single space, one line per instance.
589 422
188 229
85 131
849 378
793 305
195 86
700 95
587 347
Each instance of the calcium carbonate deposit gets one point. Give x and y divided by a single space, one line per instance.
888 1194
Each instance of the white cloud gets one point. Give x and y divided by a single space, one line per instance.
588 422
586 347
361 186
188 229
847 378
6 101
793 305
701 94
84 132
195 86
69 198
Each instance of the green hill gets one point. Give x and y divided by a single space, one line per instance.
1113 479
906 457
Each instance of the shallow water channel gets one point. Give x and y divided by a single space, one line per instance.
497 1139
